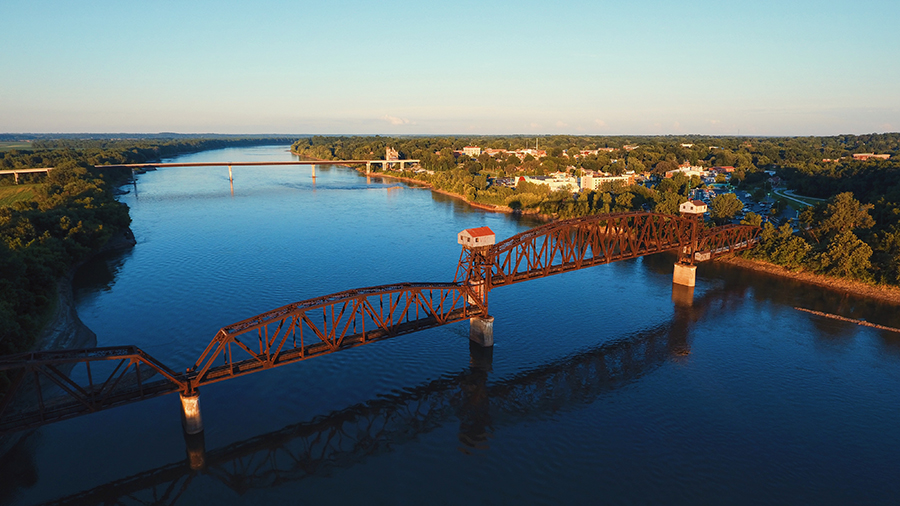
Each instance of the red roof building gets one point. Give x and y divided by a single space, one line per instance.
476 237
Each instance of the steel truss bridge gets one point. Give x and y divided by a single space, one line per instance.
345 438
50 386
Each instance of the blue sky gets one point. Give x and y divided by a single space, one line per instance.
402 67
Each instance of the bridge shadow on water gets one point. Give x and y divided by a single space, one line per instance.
349 436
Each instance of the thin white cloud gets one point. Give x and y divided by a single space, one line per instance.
394 120
600 123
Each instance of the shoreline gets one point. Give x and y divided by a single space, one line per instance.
425 184
485 207
64 329
882 293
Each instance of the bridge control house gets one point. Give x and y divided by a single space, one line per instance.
477 237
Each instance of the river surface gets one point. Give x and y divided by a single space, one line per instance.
604 385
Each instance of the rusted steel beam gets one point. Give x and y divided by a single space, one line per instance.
573 244
324 325
329 324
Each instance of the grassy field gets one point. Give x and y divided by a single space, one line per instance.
9 146
15 193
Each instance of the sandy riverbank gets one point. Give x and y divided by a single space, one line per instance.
64 329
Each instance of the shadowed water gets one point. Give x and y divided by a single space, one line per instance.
604 385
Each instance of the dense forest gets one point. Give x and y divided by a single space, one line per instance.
854 234
72 215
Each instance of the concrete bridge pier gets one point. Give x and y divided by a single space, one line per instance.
368 167
230 177
313 171
481 330
190 413
685 275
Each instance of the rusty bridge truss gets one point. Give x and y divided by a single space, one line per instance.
95 379
577 243
49 386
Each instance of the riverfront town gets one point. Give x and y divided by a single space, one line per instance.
670 252
453 253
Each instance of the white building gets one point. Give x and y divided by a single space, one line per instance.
558 181
591 180
472 151
688 170
476 237
692 207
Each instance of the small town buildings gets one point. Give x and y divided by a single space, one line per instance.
558 181
688 170
867 156
472 151
477 237
594 180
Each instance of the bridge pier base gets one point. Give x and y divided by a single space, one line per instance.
190 413
481 331
685 275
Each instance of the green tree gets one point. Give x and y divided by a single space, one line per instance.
725 207
842 213
846 256
752 219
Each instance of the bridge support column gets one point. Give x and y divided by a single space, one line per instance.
368 167
313 171
190 413
685 275
230 178
481 331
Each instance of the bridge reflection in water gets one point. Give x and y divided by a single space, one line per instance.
349 436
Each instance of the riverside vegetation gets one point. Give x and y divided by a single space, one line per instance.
71 216
854 234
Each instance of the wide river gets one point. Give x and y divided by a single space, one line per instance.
604 385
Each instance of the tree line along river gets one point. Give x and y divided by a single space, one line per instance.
603 384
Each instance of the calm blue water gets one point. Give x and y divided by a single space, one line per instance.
603 384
